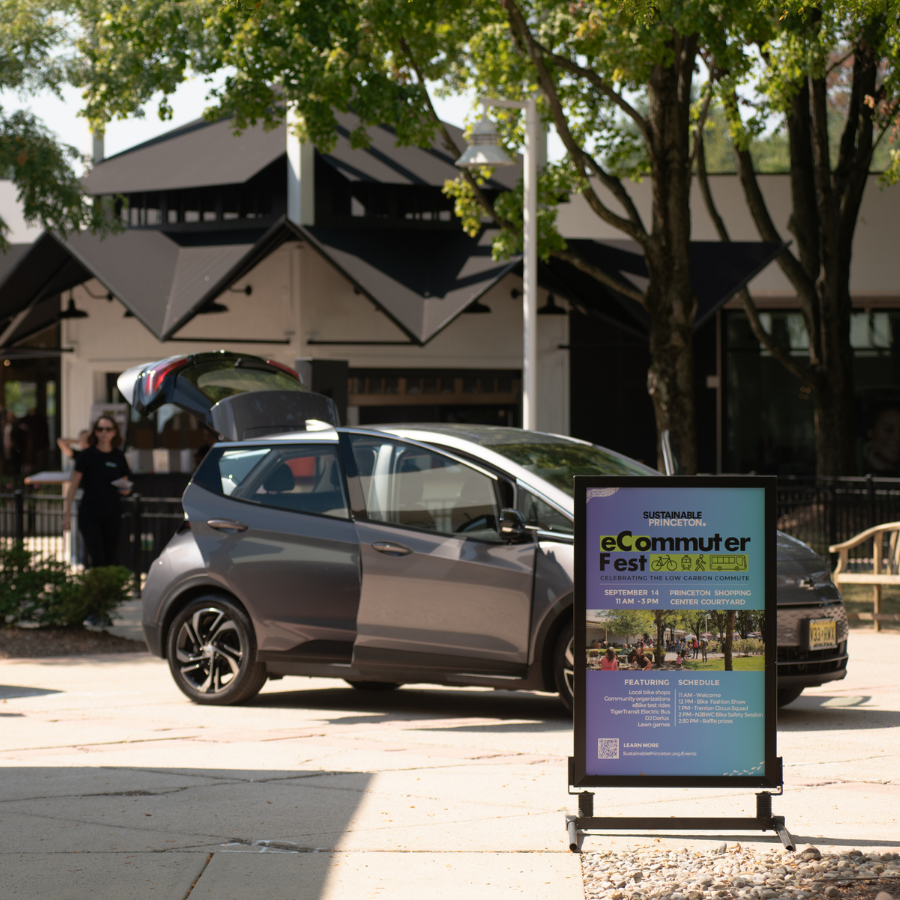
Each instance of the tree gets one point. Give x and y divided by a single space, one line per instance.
618 88
663 619
724 619
831 74
34 35
728 643
747 620
629 621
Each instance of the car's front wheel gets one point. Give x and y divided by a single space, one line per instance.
211 650
564 667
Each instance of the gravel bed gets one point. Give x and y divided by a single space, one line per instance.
737 873
31 643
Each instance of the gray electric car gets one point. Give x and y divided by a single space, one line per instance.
393 555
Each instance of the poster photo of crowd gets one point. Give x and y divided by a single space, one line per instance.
700 640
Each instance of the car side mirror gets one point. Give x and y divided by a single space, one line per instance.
513 526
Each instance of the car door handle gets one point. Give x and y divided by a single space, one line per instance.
391 549
226 525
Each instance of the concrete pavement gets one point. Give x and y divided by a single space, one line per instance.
114 785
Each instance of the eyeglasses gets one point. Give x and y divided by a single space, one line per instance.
104 428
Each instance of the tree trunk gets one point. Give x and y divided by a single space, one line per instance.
729 640
834 409
660 649
670 297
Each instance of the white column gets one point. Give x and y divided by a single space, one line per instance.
98 151
529 274
301 186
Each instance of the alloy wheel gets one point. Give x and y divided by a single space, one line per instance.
209 651
568 671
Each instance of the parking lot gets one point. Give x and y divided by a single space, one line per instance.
116 786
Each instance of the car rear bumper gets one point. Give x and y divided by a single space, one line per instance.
153 637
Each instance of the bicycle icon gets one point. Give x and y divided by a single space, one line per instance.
664 562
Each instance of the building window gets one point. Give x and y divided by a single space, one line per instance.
769 415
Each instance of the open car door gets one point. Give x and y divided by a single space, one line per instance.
240 397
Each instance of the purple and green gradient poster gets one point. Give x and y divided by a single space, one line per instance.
673 582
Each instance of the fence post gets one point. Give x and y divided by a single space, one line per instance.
137 559
832 515
19 501
870 497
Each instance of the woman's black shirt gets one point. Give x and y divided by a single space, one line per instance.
98 470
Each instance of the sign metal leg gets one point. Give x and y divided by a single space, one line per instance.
763 821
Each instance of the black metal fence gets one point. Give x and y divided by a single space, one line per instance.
828 511
35 521
819 513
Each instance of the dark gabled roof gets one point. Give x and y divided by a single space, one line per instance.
10 258
44 270
204 154
36 318
422 279
384 162
162 281
718 271
201 154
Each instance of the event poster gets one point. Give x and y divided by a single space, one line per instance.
675 625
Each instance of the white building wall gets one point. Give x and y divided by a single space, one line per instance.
11 211
332 311
874 276
108 342
296 296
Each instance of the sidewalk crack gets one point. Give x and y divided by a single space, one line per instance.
199 876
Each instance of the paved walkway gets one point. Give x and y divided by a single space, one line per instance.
115 786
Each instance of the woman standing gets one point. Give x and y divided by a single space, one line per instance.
100 509
72 448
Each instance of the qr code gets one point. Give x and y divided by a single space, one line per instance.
608 748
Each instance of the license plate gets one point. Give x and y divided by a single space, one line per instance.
822 634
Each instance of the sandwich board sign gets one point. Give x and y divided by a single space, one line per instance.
666 692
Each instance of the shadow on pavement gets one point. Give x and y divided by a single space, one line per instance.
834 713
115 832
9 692
413 703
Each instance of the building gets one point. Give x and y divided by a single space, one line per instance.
354 259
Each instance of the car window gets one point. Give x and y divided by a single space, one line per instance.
220 379
558 461
305 479
540 514
418 488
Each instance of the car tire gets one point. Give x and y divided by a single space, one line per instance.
564 667
373 685
211 649
788 695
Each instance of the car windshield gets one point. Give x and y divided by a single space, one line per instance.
220 379
558 461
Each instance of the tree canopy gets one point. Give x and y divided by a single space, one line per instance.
618 84
629 89
829 78
35 36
